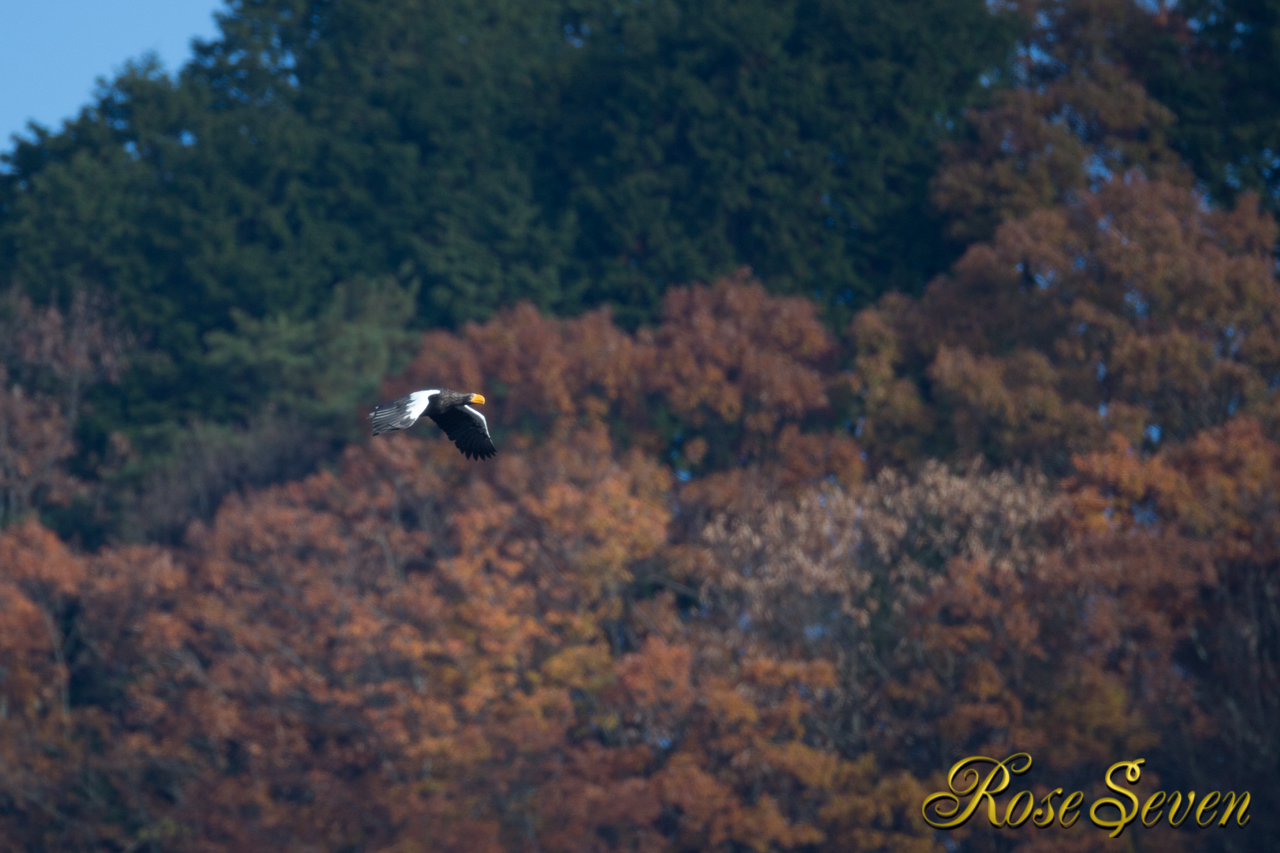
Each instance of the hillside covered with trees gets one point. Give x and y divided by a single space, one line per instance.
875 385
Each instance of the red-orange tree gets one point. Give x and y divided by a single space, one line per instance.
1134 310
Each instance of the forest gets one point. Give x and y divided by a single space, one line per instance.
875 384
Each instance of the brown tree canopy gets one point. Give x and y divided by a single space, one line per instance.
1135 310
733 582
572 647
1074 118
48 359
732 381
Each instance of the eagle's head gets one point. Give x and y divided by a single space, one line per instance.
452 399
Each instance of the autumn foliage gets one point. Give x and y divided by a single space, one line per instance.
734 581
676 612
48 360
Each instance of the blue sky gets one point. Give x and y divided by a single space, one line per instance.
53 51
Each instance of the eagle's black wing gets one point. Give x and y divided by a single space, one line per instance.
397 414
467 429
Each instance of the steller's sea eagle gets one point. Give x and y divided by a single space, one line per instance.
465 427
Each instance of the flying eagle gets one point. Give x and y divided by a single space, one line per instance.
465 427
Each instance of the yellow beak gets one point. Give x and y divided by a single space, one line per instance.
476 398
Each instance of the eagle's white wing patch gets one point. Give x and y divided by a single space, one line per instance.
483 423
419 400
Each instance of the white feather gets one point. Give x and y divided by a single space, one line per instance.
483 422
418 402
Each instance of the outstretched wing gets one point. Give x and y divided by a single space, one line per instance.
468 429
400 414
